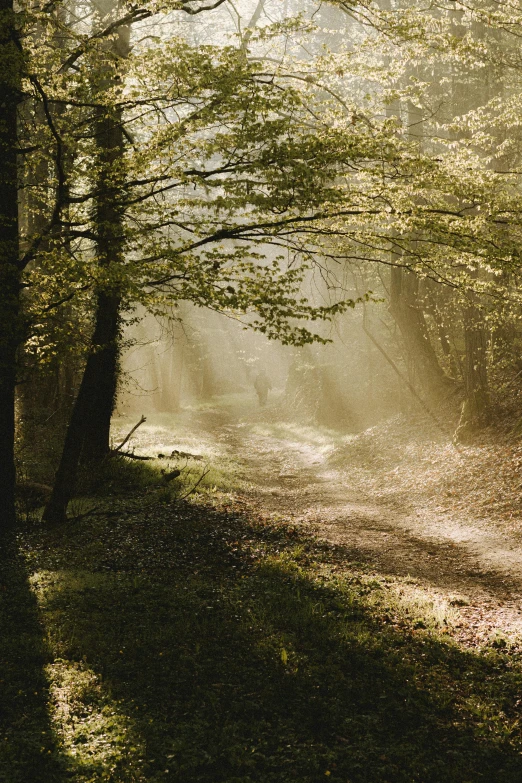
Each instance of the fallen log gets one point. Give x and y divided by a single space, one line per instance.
185 455
171 475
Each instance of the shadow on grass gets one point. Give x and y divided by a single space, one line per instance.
28 749
233 662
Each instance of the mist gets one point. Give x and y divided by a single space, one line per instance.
260 391
209 358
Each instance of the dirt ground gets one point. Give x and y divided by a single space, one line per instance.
398 498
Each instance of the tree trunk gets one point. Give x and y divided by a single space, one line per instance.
406 310
110 250
9 315
476 410
105 363
88 434
100 364
208 388
10 320
476 371
435 298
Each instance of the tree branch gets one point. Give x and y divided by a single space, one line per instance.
129 436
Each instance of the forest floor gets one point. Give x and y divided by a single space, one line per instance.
323 605
400 497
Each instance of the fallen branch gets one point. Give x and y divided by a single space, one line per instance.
129 454
198 482
185 455
129 436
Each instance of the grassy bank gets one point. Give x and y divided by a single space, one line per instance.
163 641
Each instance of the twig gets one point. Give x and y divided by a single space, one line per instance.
200 479
130 455
129 435
509 382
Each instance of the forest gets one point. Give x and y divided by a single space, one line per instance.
260 391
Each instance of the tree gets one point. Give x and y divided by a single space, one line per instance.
253 185
451 75
11 328
88 431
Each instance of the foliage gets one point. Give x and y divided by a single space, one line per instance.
247 164
221 171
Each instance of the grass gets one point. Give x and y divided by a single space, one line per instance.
163 641
210 458
197 642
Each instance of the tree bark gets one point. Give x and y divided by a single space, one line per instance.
435 298
99 365
10 318
105 363
476 372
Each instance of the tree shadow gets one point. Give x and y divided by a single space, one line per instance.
236 666
444 565
28 748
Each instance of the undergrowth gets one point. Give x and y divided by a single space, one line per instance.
171 641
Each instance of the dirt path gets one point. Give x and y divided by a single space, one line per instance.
471 563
